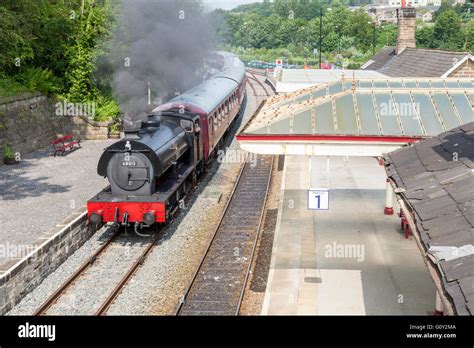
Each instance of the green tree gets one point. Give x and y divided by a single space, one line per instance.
447 33
264 8
425 37
229 27
446 5
337 20
93 25
16 46
469 43
361 29
387 35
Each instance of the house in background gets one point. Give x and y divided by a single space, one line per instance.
425 17
405 60
409 3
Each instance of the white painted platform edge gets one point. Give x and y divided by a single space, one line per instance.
266 300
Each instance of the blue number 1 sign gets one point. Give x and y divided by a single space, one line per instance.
318 199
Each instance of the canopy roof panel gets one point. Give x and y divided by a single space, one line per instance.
389 83
415 108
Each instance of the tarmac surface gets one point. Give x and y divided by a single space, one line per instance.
348 260
42 191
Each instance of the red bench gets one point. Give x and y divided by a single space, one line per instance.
65 144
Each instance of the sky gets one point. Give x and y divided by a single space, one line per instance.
226 4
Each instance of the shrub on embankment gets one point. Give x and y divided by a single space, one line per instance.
53 46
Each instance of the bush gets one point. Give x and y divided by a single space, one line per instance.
107 109
36 79
8 151
10 87
116 127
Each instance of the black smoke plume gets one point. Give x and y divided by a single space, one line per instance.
161 45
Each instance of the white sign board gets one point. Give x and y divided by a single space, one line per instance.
318 199
279 62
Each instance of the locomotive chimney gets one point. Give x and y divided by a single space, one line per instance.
131 128
132 134
406 19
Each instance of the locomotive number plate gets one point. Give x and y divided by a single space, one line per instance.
129 164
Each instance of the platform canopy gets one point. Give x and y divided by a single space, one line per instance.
359 117
291 80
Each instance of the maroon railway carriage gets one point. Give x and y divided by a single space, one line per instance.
151 170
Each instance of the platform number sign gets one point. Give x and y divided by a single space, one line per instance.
318 199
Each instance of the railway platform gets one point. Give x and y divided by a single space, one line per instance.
42 191
348 260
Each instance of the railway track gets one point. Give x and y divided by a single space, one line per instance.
80 272
218 285
251 76
257 71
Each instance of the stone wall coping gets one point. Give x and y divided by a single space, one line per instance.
20 97
92 122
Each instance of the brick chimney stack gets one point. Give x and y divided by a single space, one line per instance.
406 19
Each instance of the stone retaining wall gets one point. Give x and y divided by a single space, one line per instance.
27 274
87 129
29 122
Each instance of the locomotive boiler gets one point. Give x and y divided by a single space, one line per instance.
153 168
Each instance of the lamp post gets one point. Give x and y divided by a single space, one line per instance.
373 37
383 27
321 33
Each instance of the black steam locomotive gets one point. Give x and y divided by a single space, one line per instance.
153 168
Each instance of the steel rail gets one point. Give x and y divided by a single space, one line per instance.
72 278
207 253
208 247
252 87
260 83
132 270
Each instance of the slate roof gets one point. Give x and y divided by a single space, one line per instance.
380 58
440 192
414 62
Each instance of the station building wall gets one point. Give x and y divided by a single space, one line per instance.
465 70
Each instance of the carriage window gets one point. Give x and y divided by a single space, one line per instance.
211 125
215 123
